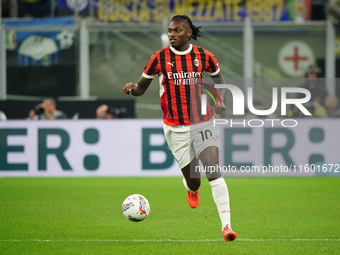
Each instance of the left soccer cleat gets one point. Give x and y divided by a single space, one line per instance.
193 198
228 234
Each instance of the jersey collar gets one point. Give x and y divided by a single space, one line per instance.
181 52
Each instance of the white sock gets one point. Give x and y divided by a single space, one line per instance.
221 197
186 185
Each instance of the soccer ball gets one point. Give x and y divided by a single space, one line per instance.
136 207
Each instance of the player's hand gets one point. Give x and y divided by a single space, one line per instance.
219 108
129 88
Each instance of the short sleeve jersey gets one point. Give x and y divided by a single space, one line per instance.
180 76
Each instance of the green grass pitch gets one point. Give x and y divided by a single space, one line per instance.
83 216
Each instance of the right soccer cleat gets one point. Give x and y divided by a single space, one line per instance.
228 234
193 198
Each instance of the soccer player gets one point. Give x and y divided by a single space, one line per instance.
189 134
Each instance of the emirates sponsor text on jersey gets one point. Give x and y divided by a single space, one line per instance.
184 78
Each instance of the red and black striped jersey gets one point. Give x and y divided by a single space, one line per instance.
181 78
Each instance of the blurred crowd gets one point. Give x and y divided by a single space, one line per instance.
47 110
321 104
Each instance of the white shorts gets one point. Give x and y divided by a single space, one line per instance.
187 142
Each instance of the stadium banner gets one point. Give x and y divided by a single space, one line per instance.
250 147
40 42
204 10
41 56
198 10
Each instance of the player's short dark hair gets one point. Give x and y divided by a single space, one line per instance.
195 30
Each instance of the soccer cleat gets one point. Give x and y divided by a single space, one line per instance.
193 198
228 234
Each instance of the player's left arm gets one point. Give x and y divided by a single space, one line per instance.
215 73
219 108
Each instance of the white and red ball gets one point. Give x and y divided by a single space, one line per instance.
136 207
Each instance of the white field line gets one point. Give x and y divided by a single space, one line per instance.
172 240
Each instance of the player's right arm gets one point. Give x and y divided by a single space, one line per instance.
151 69
139 88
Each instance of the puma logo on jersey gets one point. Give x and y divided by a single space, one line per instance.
172 64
